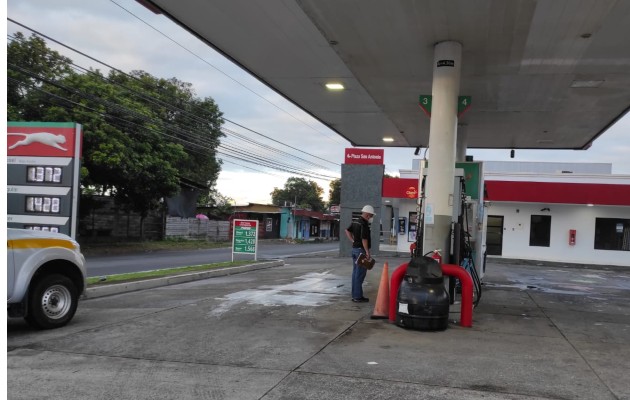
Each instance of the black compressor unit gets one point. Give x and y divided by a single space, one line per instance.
423 300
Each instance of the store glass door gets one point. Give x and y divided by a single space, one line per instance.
494 237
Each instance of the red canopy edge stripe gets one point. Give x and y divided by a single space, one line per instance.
556 192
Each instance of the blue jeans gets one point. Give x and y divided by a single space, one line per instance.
358 274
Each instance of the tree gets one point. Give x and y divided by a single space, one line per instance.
220 205
28 59
140 133
195 123
334 196
302 193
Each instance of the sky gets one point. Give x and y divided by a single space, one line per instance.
127 36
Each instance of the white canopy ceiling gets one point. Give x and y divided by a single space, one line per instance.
541 73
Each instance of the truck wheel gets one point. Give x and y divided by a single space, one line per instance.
52 302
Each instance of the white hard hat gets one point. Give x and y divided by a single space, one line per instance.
368 209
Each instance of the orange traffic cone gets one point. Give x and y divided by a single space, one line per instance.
381 308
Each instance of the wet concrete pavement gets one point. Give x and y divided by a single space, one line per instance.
291 332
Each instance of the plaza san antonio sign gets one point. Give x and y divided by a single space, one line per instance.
364 156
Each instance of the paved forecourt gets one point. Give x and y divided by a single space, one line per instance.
291 331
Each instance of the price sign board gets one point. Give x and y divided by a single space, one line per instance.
43 164
245 237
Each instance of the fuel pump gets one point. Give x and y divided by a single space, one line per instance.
423 302
462 248
422 298
417 245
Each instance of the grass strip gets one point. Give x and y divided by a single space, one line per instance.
137 276
95 249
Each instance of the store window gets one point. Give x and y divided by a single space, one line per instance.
612 234
540 230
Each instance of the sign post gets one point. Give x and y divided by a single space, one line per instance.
245 237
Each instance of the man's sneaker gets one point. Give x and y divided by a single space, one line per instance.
361 300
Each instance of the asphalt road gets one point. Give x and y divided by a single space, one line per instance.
119 264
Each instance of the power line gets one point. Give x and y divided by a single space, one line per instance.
222 72
274 140
244 155
253 169
273 149
227 150
212 141
228 154
132 77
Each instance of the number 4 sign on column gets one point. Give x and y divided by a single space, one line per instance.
426 101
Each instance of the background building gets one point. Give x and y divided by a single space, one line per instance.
574 213
561 212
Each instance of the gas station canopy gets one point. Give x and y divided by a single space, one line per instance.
541 74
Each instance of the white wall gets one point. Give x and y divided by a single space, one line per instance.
516 227
404 208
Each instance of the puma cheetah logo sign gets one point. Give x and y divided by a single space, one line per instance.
45 138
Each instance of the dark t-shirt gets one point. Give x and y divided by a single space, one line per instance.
360 229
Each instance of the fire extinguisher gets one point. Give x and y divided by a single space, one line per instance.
437 256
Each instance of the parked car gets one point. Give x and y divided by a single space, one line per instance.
46 274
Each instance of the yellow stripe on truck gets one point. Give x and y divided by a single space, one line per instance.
39 243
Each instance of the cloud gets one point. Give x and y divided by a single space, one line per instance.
248 187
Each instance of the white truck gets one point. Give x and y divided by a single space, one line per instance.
46 274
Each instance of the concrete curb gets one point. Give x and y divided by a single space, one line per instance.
108 290
557 264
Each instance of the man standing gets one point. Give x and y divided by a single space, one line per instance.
359 234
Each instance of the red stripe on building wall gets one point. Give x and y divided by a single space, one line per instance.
400 188
555 192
